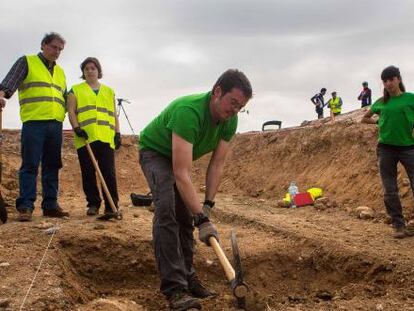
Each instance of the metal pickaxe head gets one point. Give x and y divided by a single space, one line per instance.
240 289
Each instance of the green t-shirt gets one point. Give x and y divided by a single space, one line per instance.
189 117
396 120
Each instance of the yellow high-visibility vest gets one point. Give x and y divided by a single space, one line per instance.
95 114
41 95
334 104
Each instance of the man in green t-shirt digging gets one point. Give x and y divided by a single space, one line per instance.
190 127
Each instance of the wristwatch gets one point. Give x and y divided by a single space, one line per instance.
209 203
199 219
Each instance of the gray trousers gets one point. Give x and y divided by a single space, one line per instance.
172 224
388 160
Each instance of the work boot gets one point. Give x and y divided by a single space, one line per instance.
92 211
400 232
25 215
109 214
198 290
57 212
181 301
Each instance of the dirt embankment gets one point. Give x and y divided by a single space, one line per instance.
294 259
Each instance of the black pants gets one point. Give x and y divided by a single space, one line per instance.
105 157
388 160
172 225
319 111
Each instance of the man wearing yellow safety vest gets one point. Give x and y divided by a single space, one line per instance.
335 104
91 110
42 91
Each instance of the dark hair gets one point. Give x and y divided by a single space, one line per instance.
233 78
323 90
389 73
49 37
93 60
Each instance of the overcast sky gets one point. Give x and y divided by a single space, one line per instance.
154 51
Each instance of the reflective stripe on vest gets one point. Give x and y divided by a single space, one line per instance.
95 114
41 95
334 104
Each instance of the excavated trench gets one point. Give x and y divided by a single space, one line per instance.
280 273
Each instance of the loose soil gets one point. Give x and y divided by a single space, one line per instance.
293 259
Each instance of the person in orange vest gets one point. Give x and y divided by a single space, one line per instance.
42 93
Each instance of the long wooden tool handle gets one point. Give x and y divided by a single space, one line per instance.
103 183
227 267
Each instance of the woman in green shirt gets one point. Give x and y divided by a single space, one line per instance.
395 143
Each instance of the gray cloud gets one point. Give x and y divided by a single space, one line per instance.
154 51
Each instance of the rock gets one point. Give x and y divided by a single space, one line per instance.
135 215
209 262
5 302
406 182
4 264
364 212
202 188
324 295
99 227
44 225
366 215
379 307
52 230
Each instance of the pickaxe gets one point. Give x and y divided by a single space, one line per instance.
234 275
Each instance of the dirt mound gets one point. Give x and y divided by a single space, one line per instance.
294 259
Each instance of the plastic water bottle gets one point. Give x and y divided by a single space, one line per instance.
293 190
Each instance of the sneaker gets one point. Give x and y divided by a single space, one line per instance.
25 215
57 212
92 211
198 290
181 301
400 232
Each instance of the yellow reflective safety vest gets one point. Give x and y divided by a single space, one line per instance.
95 113
335 104
41 95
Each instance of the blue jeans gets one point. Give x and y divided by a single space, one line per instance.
388 160
41 141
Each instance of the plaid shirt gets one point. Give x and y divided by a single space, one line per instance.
18 73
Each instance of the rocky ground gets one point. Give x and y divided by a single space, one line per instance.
332 256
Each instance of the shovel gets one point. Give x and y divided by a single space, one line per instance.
115 212
3 211
235 276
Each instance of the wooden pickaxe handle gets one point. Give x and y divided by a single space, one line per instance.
239 289
227 267
101 178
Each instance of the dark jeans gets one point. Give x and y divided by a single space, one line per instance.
41 141
388 160
105 157
172 224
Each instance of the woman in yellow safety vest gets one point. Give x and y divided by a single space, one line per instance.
92 114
